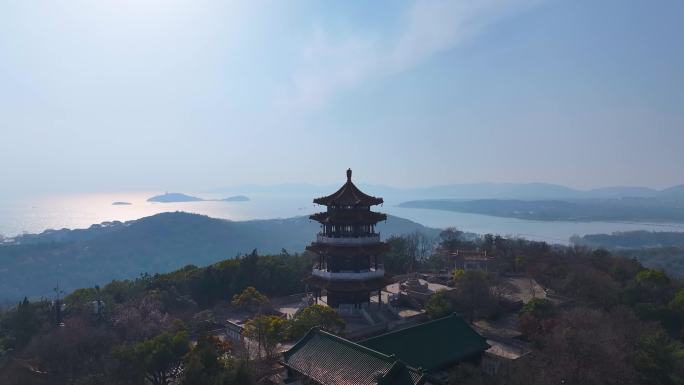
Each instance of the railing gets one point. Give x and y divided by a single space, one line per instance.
349 276
348 241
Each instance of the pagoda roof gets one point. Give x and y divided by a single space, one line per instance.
349 285
331 360
340 250
348 195
348 217
431 345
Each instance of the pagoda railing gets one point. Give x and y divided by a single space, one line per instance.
348 241
349 276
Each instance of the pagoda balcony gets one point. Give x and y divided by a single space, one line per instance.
349 275
348 240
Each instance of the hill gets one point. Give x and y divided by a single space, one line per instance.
33 264
661 249
632 240
582 210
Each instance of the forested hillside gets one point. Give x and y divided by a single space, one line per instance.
660 249
34 264
621 323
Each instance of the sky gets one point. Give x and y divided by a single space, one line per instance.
118 95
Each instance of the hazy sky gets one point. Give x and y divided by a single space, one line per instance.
188 95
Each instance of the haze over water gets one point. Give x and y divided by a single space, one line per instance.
82 210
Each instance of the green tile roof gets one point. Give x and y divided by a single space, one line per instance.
431 345
332 360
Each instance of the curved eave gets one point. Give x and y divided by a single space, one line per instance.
349 286
337 250
364 217
349 195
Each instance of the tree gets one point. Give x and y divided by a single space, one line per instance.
397 259
418 248
473 293
79 352
539 308
591 286
23 323
488 243
677 303
457 274
439 305
209 363
141 319
659 360
653 285
250 299
450 240
157 360
268 331
534 317
315 316
588 347
519 263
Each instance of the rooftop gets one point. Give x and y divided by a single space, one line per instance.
349 217
432 345
348 195
332 360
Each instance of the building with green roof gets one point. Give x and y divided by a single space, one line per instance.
327 359
433 345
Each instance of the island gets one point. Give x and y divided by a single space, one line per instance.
178 197
121 203
174 197
236 198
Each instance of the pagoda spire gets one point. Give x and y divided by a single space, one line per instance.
349 173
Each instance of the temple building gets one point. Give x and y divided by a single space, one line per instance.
326 359
415 355
348 269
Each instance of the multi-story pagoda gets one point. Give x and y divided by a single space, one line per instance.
348 267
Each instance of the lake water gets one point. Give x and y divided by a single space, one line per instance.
82 210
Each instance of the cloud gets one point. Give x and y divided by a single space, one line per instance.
330 65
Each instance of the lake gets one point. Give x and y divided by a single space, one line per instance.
82 210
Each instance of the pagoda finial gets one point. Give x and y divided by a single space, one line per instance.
349 175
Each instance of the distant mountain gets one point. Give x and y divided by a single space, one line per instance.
622 192
673 192
173 197
519 191
236 198
34 263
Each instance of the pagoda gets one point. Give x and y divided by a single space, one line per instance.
348 266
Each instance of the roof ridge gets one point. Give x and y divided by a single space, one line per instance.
430 322
299 343
393 357
358 197
354 344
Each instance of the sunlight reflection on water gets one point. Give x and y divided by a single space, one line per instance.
82 210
